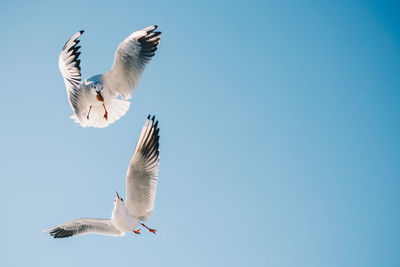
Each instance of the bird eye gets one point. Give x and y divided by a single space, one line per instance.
122 199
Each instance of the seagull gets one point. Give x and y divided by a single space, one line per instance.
141 185
102 99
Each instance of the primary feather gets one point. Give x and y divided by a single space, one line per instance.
131 57
83 227
69 65
142 175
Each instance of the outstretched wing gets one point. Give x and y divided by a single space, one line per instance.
142 175
69 65
83 227
131 57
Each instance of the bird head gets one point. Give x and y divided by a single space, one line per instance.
118 199
96 88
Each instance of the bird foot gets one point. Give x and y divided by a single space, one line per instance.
105 112
137 231
90 108
150 230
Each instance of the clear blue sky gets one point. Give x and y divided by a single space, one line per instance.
279 133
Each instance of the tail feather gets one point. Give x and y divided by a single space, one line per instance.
116 109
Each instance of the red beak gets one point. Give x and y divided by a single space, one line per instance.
118 195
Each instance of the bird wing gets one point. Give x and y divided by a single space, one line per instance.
69 65
131 57
142 175
84 226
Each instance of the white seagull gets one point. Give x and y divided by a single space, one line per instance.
141 185
95 101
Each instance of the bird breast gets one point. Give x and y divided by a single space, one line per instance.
123 220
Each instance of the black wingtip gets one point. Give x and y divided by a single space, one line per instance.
148 117
82 31
155 26
59 232
154 117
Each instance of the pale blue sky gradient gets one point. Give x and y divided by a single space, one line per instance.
279 133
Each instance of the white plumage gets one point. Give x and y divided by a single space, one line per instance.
102 99
141 185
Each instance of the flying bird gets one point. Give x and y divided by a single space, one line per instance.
102 99
141 185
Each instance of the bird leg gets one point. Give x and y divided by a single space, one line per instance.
137 231
90 108
105 112
150 230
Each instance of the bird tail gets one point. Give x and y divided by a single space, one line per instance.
116 108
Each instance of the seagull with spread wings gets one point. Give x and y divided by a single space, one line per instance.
141 185
102 99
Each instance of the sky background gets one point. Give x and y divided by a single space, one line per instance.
279 133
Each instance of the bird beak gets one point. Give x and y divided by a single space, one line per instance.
118 195
99 96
